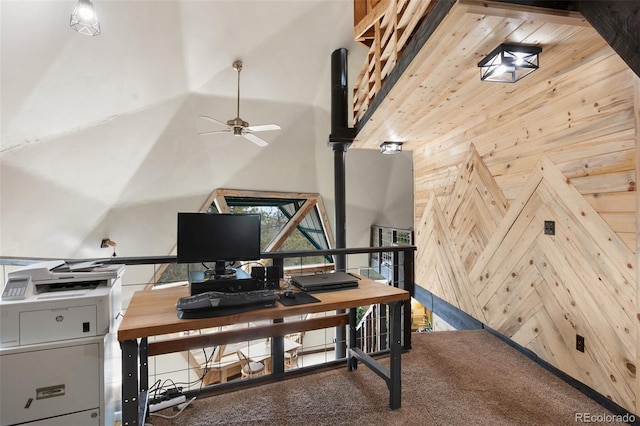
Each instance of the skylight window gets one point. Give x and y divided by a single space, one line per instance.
280 212
290 222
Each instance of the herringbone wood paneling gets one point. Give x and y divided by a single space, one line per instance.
494 262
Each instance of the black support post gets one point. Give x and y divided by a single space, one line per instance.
340 139
403 264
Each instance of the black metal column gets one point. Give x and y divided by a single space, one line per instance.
395 365
339 170
340 139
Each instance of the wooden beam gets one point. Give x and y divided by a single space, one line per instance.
241 335
636 113
618 22
371 18
545 11
291 225
359 11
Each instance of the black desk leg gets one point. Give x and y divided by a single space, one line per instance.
352 361
129 382
395 379
143 352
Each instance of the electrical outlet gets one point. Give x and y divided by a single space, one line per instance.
579 343
549 227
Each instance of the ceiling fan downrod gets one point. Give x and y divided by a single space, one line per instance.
237 65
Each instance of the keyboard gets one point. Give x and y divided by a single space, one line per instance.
218 303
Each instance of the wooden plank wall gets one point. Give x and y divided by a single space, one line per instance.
480 231
493 162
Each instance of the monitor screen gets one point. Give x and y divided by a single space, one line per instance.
211 237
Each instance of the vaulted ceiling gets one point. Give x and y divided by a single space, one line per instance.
102 132
100 135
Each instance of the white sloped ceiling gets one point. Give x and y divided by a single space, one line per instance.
100 134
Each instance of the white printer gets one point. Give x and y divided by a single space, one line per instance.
59 354
51 301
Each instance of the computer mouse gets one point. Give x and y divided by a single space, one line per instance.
290 294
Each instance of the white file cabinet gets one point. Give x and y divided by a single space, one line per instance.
56 383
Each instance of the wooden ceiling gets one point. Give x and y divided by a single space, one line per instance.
439 99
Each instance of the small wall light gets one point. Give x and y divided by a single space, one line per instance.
390 147
84 18
106 242
508 63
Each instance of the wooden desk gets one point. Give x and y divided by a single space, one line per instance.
153 313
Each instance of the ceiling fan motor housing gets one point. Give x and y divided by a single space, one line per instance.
238 125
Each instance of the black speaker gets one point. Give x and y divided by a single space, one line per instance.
274 273
258 273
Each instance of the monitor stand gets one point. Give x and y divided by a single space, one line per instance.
221 271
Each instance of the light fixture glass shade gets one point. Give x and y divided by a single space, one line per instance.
390 147
84 18
508 63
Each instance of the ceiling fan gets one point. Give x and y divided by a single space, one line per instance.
238 126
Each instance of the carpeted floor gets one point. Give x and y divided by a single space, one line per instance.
448 378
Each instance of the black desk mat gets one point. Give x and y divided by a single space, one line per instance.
300 298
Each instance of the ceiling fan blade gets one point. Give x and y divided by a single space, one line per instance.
206 117
253 138
263 127
215 131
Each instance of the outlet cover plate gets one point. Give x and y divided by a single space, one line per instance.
549 227
579 343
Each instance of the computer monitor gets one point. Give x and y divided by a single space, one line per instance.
218 237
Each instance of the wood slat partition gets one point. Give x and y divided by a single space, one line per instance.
386 30
493 162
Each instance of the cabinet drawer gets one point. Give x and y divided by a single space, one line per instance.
38 384
85 418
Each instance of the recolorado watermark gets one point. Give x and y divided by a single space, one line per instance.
604 418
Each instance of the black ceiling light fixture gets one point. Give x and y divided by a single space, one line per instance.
508 63
390 147
84 18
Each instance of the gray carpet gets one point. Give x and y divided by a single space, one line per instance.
448 378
